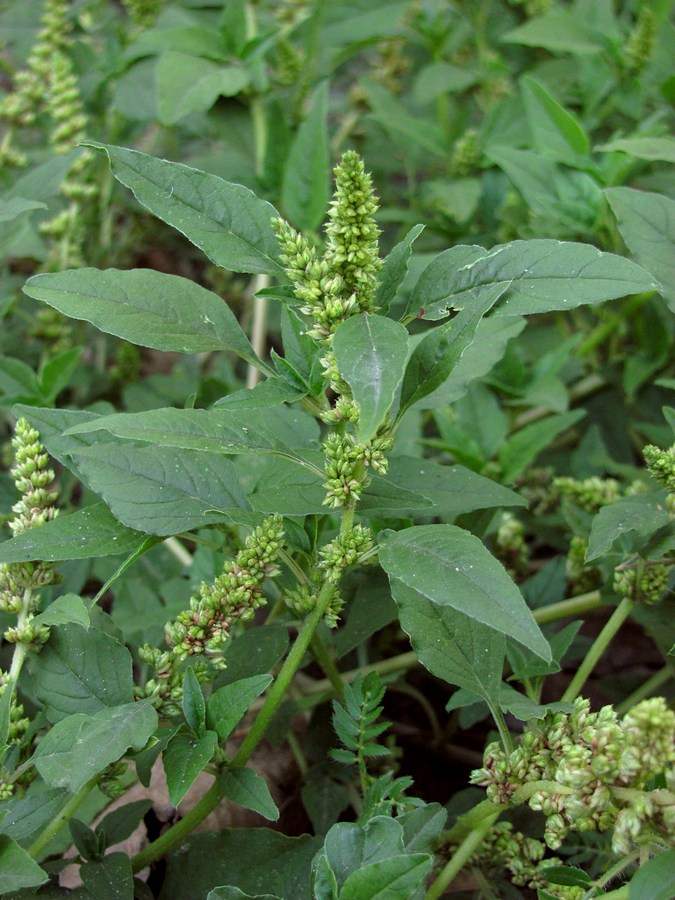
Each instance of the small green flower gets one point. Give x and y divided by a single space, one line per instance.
661 465
233 597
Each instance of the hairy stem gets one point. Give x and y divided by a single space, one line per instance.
460 857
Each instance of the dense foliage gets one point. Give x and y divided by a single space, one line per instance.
336 373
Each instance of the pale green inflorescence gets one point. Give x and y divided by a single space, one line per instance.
19 582
596 770
234 596
661 465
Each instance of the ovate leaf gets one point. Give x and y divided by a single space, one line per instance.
227 705
451 567
80 671
145 307
225 220
81 746
184 758
371 353
161 490
642 514
451 645
248 789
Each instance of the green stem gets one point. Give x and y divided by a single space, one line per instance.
572 606
650 686
181 829
325 659
215 793
600 644
62 818
291 665
504 734
460 857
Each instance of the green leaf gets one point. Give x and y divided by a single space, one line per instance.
348 845
65 610
184 758
110 878
305 189
487 348
275 430
523 708
121 823
394 269
452 646
541 276
652 148
555 131
161 490
558 31
642 514
56 373
227 705
188 84
145 307
569 876
266 394
27 816
654 880
86 533
15 206
526 444
371 353
256 860
440 350
452 568
17 869
86 841
194 704
422 827
397 878
227 221
454 489
248 789
81 746
80 671
647 225
568 199
18 381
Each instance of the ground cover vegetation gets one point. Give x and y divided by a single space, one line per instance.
336 373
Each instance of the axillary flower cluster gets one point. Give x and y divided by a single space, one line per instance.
589 771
